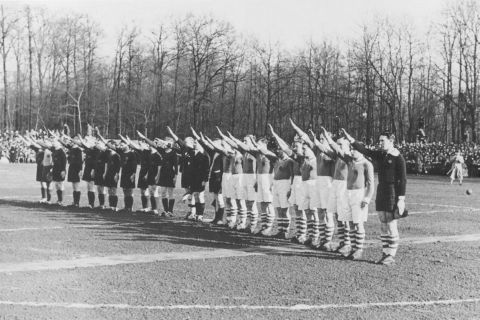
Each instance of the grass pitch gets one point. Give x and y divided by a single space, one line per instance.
60 263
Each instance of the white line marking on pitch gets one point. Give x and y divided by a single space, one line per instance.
444 205
52 228
297 307
86 262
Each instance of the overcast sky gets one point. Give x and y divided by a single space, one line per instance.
290 22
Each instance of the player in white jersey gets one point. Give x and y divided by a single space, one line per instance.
457 168
360 186
296 191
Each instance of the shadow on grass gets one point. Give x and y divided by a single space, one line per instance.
135 226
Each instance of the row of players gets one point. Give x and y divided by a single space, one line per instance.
324 181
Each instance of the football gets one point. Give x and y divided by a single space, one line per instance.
469 191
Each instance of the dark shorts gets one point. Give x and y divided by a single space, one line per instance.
143 178
74 173
386 198
87 173
110 181
47 174
215 183
126 181
39 173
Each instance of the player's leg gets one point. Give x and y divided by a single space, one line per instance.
59 186
199 205
76 194
91 194
43 192
113 198
144 195
102 191
128 199
154 198
219 208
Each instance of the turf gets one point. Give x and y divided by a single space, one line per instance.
433 278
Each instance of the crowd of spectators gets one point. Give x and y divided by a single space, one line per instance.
436 157
14 150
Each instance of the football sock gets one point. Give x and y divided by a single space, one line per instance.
144 200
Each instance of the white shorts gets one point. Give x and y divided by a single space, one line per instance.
354 212
226 186
296 194
236 186
324 185
280 193
337 200
264 187
153 191
249 180
310 195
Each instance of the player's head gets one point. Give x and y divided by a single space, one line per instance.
56 144
170 142
344 144
190 142
123 146
386 140
247 139
262 142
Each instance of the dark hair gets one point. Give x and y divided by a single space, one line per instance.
388 134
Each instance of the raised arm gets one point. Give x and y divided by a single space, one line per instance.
360 147
148 141
241 146
303 135
337 150
226 139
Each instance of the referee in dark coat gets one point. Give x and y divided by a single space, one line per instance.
392 182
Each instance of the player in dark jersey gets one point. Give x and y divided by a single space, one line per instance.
142 152
59 169
75 166
129 171
187 152
100 168
112 173
38 159
89 169
215 176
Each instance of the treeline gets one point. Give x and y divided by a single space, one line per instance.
199 71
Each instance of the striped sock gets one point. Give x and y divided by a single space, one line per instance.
242 216
393 244
329 230
228 214
269 219
309 228
263 219
346 238
280 225
359 240
287 221
301 224
321 230
253 219
233 214
385 243
315 230
341 234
